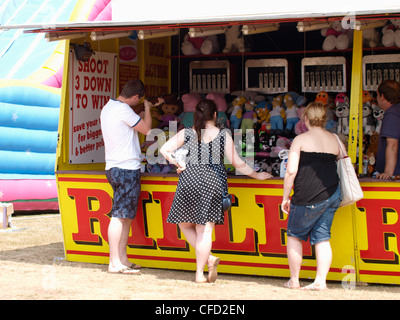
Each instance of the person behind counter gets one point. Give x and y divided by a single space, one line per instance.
312 172
120 126
388 156
197 204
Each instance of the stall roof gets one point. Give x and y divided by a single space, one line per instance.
129 15
178 11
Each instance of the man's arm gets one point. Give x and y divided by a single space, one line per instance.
144 125
392 146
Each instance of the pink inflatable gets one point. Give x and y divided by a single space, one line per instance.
40 191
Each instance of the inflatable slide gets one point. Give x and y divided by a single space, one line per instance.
30 92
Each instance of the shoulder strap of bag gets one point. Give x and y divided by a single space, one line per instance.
342 153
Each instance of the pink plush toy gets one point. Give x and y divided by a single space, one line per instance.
300 126
190 101
219 99
341 98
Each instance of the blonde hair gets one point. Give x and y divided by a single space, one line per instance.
316 114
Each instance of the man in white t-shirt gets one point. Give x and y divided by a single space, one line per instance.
120 126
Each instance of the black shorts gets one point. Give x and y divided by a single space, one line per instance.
126 187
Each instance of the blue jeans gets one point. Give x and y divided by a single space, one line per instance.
314 221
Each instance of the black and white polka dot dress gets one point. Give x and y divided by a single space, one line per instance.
198 196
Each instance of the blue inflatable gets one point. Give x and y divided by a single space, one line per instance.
30 104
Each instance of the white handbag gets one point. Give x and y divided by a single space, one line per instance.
349 184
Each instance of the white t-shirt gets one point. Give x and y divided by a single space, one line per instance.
121 140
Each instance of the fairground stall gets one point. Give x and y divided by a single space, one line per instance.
265 60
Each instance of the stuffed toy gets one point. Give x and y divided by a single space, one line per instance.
263 116
378 114
155 116
341 98
210 45
391 34
180 156
336 37
291 114
277 115
342 111
282 143
155 161
370 37
170 108
368 118
262 166
331 123
322 97
367 96
189 101
371 153
200 45
262 142
191 46
236 114
219 99
300 126
234 41
249 116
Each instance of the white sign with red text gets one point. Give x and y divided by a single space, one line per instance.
91 84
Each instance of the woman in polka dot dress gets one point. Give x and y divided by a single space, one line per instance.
197 204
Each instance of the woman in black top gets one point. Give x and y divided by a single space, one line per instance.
312 173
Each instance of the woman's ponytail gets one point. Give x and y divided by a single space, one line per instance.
205 111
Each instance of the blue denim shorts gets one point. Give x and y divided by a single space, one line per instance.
314 221
126 187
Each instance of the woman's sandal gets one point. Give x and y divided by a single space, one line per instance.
135 266
126 271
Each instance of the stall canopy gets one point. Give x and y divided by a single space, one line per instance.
166 12
136 15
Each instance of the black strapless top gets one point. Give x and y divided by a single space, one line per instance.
316 178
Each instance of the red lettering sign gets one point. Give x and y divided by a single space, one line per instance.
170 241
140 237
87 216
379 230
275 228
224 238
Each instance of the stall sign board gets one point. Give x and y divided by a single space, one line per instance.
377 68
210 76
267 75
251 241
157 69
323 74
91 85
378 233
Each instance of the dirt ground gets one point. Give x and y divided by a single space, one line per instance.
32 267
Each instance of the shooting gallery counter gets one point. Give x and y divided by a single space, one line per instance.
253 239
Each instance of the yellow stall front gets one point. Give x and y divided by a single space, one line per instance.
253 239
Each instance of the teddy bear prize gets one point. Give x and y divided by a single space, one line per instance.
274 119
